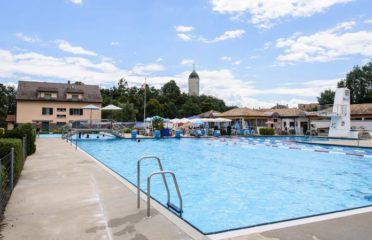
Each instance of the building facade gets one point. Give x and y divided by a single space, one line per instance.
194 83
56 104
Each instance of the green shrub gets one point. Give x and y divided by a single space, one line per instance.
266 131
24 130
5 145
127 130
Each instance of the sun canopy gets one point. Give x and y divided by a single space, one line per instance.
111 107
216 120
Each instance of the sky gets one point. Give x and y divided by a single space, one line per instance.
254 53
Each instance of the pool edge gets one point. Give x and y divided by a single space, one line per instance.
196 233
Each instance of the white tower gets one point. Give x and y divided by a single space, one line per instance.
194 83
340 116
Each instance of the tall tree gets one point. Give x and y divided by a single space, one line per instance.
326 97
359 81
7 102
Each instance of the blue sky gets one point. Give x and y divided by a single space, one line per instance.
250 53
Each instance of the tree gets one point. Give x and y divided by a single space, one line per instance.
154 108
171 91
359 81
326 97
7 102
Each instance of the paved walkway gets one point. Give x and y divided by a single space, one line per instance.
63 194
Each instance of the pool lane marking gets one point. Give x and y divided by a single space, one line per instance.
318 149
355 154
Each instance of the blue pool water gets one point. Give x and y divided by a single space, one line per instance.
50 135
234 183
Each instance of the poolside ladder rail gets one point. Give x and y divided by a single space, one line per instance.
139 177
170 205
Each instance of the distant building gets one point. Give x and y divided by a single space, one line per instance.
194 83
308 106
55 104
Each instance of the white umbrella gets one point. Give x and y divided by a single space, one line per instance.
111 108
91 107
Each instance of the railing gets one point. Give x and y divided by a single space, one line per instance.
179 209
139 177
163 173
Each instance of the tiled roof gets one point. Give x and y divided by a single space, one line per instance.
286 112
211 113
29 91
242 112
247 112
361 109
356 109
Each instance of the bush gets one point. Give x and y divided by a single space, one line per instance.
266 131
5 145
24 130
127 130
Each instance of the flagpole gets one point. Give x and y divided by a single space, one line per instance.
144 106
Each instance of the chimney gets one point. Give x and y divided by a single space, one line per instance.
68 82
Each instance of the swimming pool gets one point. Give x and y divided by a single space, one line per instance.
233 183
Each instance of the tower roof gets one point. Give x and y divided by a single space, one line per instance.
193 75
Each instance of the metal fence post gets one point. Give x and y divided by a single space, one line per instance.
11 168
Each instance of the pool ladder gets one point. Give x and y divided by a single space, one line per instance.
170 205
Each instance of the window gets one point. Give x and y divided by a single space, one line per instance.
61 116
61 123
76 111
75 97
291 124
47 96
61 109
47 111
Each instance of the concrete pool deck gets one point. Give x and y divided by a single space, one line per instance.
353 143
65 194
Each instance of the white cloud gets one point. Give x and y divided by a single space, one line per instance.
187 61
36 65
336 43
184 28
228 35
114 43
185 33
67 47
146 69
237 62
226 58
265 13
29 39
185 37
368 21
159 59
77 2
221 82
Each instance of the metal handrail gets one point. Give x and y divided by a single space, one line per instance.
163 173
139 177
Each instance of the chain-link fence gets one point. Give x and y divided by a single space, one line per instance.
6 179
8 176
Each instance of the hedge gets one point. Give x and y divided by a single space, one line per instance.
22 130
5 145
266 131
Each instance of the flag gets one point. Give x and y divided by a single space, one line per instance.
143 86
